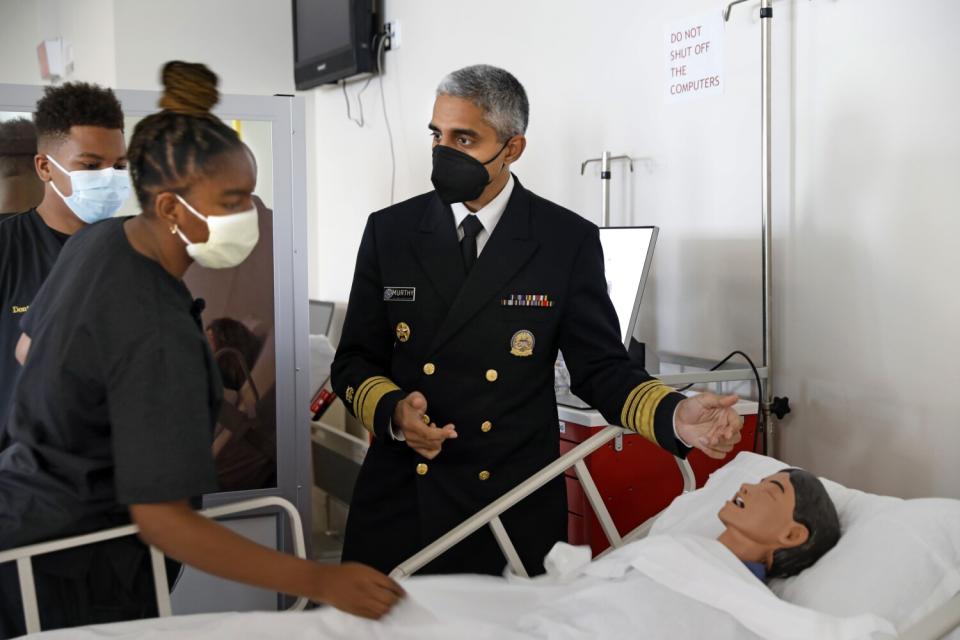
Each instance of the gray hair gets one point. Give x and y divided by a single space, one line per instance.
815 510
500 95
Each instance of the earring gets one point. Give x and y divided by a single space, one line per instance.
173 230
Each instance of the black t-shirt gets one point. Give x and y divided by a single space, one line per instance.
28 251
117 400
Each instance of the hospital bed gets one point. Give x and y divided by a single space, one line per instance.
684 515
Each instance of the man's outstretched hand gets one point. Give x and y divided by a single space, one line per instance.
425 439
709 423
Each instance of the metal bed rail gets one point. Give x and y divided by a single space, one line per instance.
23 555
490 515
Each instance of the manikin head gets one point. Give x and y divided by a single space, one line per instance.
786 521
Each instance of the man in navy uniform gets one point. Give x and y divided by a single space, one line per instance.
461 298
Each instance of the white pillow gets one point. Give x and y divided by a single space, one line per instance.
898 559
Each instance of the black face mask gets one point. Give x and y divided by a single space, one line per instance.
459 177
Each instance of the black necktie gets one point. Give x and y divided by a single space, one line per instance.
468 246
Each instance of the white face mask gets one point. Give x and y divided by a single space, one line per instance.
95 195
232 238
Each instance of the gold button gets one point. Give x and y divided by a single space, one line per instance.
426 420
492 375
486 426
484 475
429 368
422 469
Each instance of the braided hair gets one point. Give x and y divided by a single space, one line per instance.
171 149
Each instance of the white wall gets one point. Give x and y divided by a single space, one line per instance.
19 37
248 43
868 317
87 26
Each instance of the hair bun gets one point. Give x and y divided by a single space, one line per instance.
188 88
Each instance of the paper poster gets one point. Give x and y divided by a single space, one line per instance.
694 57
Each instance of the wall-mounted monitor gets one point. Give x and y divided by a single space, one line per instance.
332 40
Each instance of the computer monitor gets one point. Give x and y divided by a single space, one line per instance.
321 315
627 253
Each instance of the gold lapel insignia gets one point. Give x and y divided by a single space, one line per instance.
521 344
349 394
403 332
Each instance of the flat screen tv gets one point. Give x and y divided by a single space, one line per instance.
332 40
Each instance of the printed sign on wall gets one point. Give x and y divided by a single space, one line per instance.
694 58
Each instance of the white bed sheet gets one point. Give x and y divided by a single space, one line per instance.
663 587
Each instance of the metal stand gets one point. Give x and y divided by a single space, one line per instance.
766 402
23 555
605 161
490 515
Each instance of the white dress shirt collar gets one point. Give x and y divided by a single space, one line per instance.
489 215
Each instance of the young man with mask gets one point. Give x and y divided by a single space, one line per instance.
20 187
82 159
461 298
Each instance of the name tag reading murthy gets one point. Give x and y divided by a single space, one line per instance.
399 294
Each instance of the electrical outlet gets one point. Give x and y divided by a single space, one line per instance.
392 30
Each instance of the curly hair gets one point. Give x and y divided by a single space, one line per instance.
18 146
76 104
170 149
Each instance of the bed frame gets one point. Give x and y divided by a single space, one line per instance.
934 626
23 555
490 515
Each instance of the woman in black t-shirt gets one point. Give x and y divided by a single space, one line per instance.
119 393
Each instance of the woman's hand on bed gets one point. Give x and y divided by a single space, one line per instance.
410 417
709 423
358 589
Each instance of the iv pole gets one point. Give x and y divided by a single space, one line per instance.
767 401
605 161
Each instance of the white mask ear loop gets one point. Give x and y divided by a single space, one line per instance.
57 191
194 212
64 172
57 164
